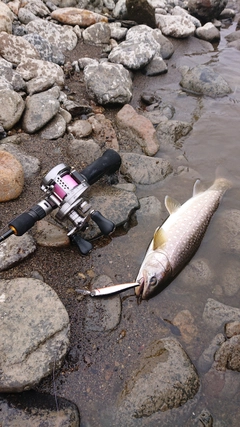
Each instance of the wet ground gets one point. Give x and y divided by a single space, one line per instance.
98 363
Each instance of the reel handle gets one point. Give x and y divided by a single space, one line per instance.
107 164
106 226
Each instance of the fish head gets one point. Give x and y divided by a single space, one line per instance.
155 273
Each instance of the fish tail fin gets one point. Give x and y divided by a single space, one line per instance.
223 177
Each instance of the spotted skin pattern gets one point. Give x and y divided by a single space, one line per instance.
179 237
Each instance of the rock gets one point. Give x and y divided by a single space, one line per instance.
169 132
115 204
141 11
34 335
203 80
15 249
14 49
10 75
11 177
75 16
35 409
50 235
97 34
177 10
102 314
227 13
166 46
54 129
156 115
62 37
156 67
103 131
144 170
235 35
6 18
206 359
164 379
30 164
229 278
108 83
46 51
11 108
206 11
117 31
232 328
37 7
196 274
137 50
138 128
227 356
40 75
25 16
208 32
216 314
40 109
185 323
80 128
175 26
120 10
85 150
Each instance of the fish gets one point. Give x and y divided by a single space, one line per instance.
179 237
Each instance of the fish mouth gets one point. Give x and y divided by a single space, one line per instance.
142 290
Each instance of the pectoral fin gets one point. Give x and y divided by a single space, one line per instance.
171 204
159 238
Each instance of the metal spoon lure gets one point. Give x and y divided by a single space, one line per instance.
108 290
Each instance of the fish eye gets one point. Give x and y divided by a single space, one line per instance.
153 281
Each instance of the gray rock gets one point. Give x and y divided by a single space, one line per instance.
54 129
97 34
7 18
11 108
216 314
40 75
137 50
206 359
197 274
30 164
235 35
227 224
208 32
46 51
35 409
164 379
144 170
117 31
86 150
102 314
34 333
120 10
175 26
171 131
38 8
25 16
166 46
204 81
15 80
108 83
14 49
15 249
157 114
48 234
115 204
61 36
80 128
155 67
40 109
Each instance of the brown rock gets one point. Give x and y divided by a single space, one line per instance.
74 16
51 235
11 177
137 127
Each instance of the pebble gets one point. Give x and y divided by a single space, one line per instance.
75 16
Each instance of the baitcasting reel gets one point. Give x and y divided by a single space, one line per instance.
64 188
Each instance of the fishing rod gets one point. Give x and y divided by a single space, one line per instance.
64 188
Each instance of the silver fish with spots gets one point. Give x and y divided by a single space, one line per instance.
176 241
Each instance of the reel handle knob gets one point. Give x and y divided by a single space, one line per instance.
83 245
106 226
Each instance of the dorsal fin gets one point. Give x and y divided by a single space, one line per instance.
198 188
159 238
171 204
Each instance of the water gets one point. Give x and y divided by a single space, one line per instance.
106 360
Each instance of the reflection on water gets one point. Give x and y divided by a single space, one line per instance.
214 141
